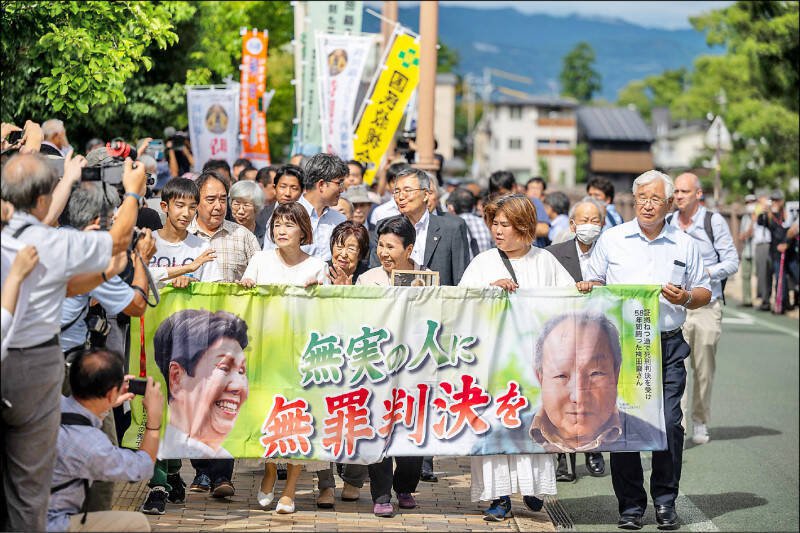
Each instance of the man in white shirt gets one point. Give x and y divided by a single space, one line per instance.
703 327
33 371
646 250
746 226
762 239
325 175
389 208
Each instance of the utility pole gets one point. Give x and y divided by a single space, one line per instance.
389 12
428 29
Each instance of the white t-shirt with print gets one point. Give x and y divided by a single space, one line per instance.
172 254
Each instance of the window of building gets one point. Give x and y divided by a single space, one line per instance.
515 143
515 112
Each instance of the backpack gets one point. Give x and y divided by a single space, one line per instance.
74 419
709 229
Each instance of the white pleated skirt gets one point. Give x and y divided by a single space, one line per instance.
503 475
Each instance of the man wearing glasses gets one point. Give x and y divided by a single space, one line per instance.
442 243
646 250
324 179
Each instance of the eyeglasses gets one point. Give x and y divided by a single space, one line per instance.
405 192
338 183
235 204
351 250
654 201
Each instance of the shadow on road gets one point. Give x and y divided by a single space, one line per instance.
734 433
714 505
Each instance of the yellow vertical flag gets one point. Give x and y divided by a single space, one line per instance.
382 115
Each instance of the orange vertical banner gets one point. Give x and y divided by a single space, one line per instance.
252 106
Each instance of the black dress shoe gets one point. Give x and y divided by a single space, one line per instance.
764 307
666 517
630 521
429 477
595 464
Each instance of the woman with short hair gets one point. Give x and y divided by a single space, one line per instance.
349 251
247 199
512 221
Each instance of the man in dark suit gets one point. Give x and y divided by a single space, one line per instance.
442 242
586 219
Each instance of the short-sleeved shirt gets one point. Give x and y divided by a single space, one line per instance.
266 268
63 254
114 295
172 254
234 246
536 269
85 452
720 258
624 255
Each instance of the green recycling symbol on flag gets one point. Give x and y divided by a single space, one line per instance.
408 62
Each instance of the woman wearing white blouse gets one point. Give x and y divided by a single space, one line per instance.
512 222
289 228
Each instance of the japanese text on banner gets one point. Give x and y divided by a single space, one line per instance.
384 110
252 115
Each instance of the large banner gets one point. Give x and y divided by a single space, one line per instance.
354 374
322 16
341 62
252 106
213 123
383 111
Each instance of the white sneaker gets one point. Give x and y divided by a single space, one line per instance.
283 507
700 435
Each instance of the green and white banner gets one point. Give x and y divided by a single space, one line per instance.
354 374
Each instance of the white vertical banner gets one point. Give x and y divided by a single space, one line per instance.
213 122
340 62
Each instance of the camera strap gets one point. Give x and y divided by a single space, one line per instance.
150 282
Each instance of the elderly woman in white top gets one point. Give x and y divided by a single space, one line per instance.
247 199
512 221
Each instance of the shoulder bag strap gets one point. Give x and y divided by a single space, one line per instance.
507 262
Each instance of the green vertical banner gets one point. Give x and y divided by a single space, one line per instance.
323 17
355 374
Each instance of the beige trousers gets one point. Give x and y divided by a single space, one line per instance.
110 521
702 331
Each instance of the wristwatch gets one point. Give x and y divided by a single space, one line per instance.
687 302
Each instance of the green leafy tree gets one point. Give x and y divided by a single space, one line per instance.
78 54
578 77
758 74
446 58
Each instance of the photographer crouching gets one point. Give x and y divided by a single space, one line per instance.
33 371
88 319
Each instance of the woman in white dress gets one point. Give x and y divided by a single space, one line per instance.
287 264
512 222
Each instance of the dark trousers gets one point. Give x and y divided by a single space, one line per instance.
215 469
626 468
404 479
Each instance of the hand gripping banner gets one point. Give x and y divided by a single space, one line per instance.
354 374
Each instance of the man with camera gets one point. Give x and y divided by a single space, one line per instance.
85 455
86 318
33 371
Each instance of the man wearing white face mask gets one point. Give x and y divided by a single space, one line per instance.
586 219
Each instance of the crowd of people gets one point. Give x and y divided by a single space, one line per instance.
83 255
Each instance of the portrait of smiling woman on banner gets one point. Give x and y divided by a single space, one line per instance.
201 356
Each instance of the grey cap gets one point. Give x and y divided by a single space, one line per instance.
358 194
777 194
750 198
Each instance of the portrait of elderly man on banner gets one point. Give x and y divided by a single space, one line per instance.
577 361
201 356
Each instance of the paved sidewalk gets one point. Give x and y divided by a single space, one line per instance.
443 506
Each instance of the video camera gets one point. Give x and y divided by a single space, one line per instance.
178 138
404 144
111 172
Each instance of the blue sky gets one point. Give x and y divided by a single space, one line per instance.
667 15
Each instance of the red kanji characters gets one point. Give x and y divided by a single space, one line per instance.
462 407
287 428
348 423
509 405
409 410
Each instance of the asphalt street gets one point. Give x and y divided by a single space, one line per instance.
746 477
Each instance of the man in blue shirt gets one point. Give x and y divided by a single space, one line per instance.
647 250
84 453
603 190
